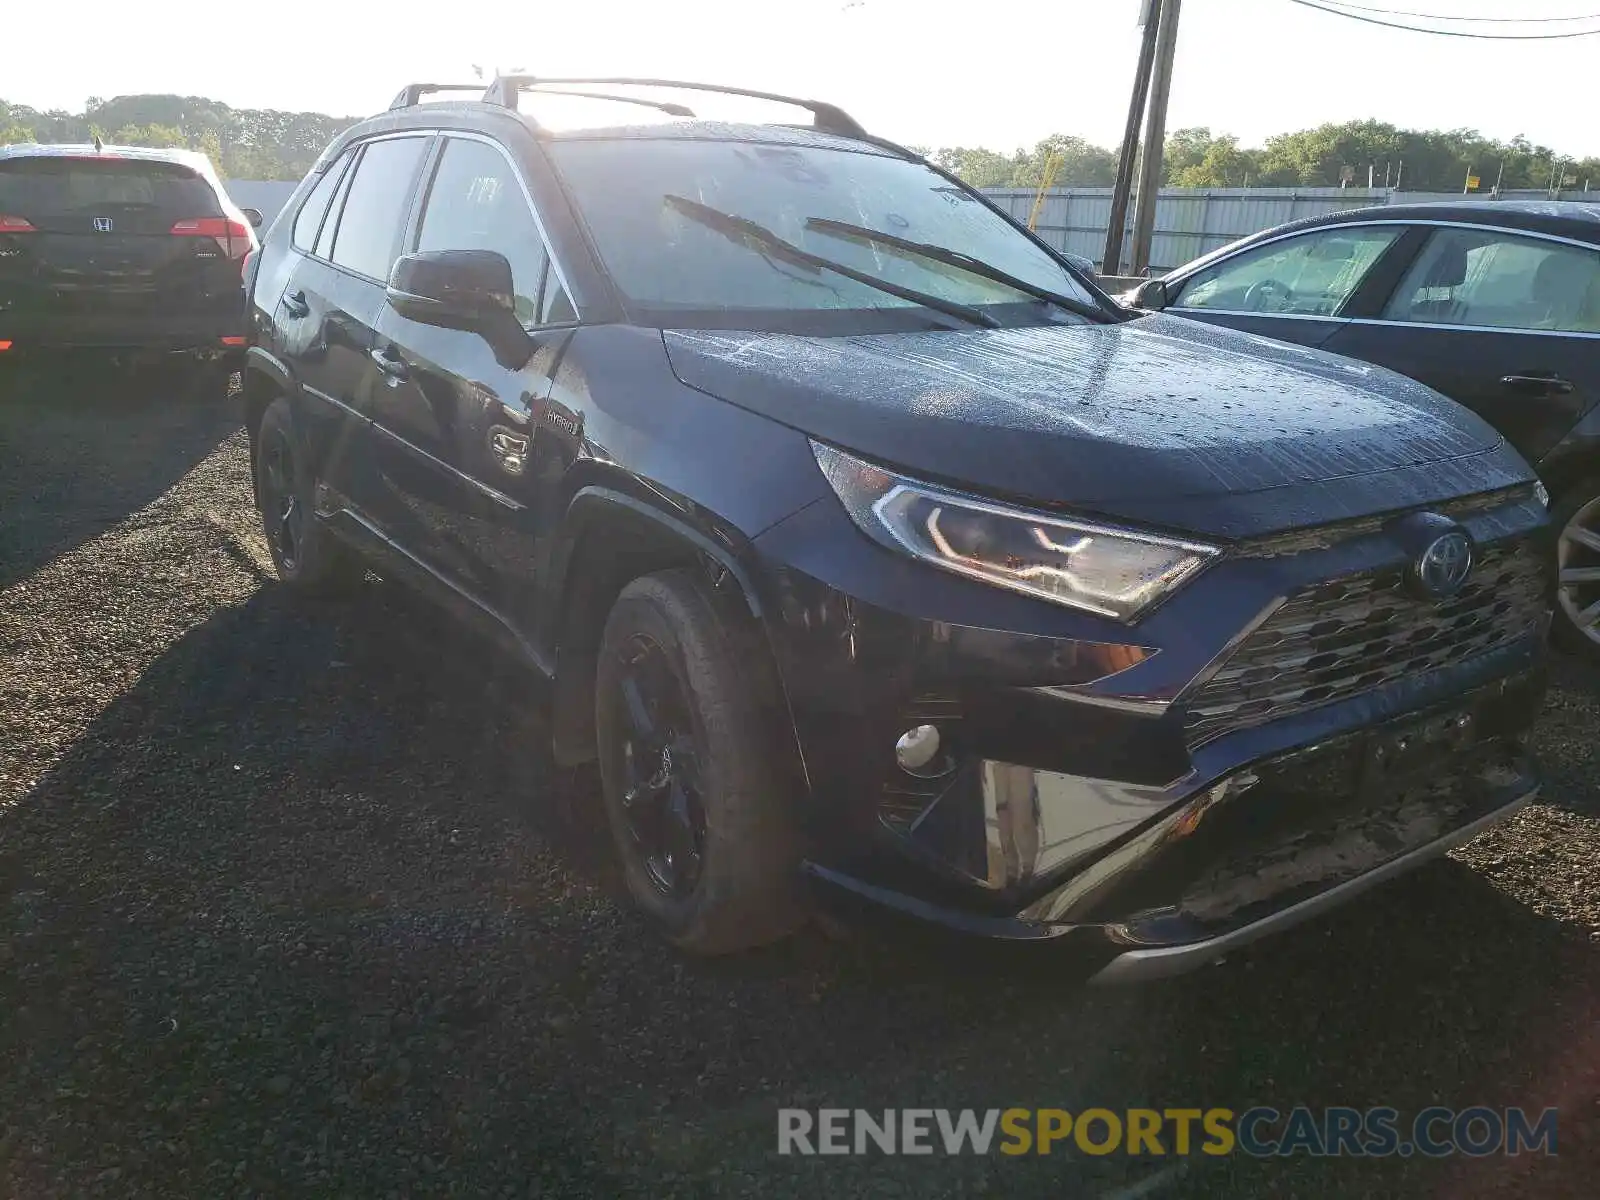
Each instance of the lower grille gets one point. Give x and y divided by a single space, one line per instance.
1350 635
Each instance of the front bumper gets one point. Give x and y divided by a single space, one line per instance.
1077 807
1160 962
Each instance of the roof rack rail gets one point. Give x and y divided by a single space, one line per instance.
413 92
827 117
666 106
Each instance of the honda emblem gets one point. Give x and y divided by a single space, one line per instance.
102 224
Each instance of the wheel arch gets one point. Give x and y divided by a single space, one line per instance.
608 538
263 379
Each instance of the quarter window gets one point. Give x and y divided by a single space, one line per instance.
477 203
1310 276
331 225
375 206
309 219
1496 280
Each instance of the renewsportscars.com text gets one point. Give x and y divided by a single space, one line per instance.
1261 1132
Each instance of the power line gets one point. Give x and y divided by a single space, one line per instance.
1400 12
1460 33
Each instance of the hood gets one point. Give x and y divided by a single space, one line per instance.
1158 419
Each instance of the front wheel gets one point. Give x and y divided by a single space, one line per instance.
698 792
1576 516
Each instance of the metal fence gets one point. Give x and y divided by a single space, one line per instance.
268 195
1190 222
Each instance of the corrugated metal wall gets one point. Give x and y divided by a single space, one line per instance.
1189 222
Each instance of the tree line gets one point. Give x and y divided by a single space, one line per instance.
243 143
1352 151
259 143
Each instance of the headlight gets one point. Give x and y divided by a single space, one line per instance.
1541 493
1116 573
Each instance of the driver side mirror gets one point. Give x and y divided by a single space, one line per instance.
470 290
1151 294
253 215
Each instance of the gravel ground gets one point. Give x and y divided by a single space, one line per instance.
285 910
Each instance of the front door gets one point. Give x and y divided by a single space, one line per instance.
1292 289
453 426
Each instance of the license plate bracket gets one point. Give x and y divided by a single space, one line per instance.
1407 749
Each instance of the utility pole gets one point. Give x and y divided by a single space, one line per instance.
1111 260
1155 136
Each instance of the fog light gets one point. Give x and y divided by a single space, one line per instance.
917 747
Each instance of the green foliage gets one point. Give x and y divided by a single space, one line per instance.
243 143
1434 160
258 143
1077 162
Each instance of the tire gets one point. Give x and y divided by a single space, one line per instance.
308 558
730 852
1577 509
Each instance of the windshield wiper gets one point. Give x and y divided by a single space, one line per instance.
955 258
748 233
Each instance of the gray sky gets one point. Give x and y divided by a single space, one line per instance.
1000 73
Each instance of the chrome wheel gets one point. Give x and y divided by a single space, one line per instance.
1578 570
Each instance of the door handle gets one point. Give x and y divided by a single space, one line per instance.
296 305
390 364
1537 385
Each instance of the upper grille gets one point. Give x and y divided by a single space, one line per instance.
1320 537
1350 635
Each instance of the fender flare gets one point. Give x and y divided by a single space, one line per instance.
257 358
597 498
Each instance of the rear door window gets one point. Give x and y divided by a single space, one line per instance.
1496 280
375 206
69 195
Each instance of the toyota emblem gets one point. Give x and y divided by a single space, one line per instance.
1444 564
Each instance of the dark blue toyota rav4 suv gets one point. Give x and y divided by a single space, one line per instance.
868 546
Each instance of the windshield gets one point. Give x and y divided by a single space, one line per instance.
668 259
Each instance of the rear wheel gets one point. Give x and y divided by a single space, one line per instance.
306 555
697 789
1576 516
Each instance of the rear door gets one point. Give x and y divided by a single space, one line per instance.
107 242
1293 288
1503 322
345 232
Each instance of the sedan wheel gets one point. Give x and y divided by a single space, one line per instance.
1578 575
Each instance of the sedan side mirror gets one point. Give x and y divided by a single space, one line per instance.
1151 294
1083 264
253 215
471 290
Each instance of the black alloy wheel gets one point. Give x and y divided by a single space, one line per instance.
282 517
662 790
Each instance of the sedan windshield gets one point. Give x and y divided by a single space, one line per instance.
645 202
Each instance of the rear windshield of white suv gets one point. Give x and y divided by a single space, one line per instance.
37 187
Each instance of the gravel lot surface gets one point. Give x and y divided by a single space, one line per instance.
286 910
